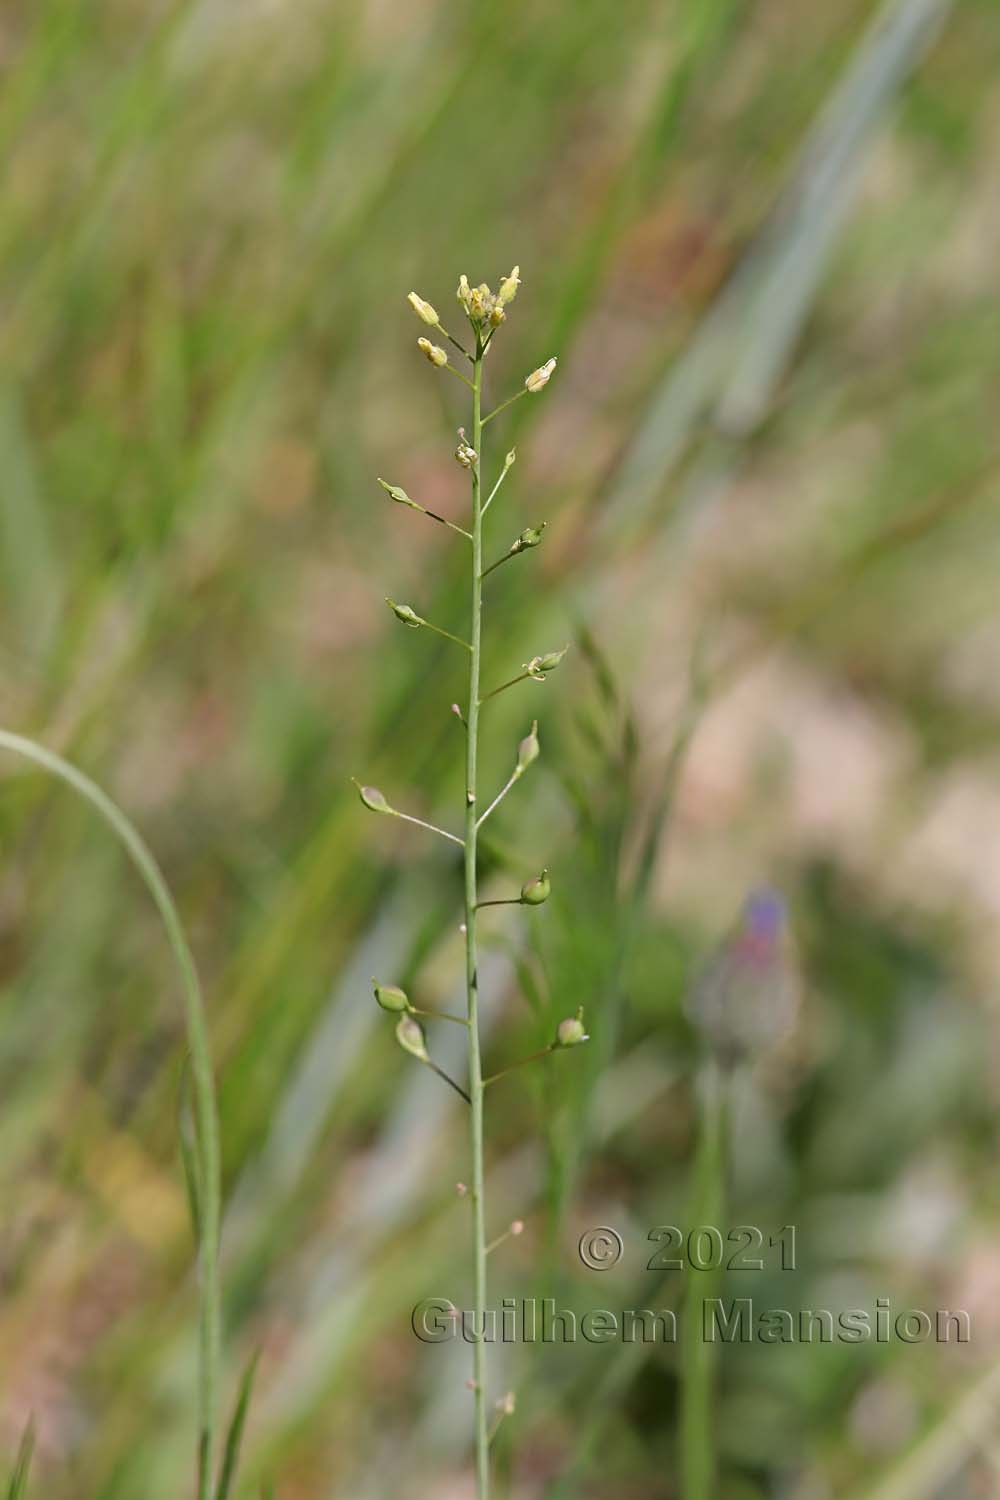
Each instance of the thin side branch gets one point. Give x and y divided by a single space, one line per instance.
522 1064
459 346
438 1015
503 475
447 1078
500 560
504 405
458 374
514 776
521 677
452 838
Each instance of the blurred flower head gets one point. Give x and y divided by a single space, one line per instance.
746 998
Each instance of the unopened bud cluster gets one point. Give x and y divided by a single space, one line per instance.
483 307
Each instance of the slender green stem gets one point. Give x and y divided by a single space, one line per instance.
438 1015
501 1239
503 901
206 1115
503 475
515 776
506 558
458 375
471 962
446 633
419 822
521 676
443 520
495 1426
459 346
544 1052
707 1206
503 407
447 1078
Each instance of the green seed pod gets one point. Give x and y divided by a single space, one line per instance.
551 660
390 996
539 665
404 613
433 352
536 890
410 1036
423 309
511 458
530 537
528 749
372 798
509 286
399 495
570 1033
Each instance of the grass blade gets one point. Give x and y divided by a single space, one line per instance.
234 1437
203 1081
18 1487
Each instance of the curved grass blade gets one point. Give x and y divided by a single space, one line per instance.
234 1437
203 1084
18 1487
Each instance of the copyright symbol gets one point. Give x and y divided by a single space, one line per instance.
600 1249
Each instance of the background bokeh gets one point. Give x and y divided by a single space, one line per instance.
763 239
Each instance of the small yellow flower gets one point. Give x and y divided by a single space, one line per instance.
509 286
423 309
540 377
434 352
480 301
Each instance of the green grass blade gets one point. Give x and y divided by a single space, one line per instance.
234 1437
18 1487
207 1129
189 1156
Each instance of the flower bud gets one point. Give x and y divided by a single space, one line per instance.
511 456
399 495
497 315
465 455
390 996
530 537
507 1404
423 309
434 352
464 293
372 798
517 1227
528 749
509 286
536 890
480 301
407 615
540 377
570 1033
410 1036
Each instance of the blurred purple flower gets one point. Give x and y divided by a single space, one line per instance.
746 998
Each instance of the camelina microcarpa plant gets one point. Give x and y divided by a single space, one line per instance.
486 312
